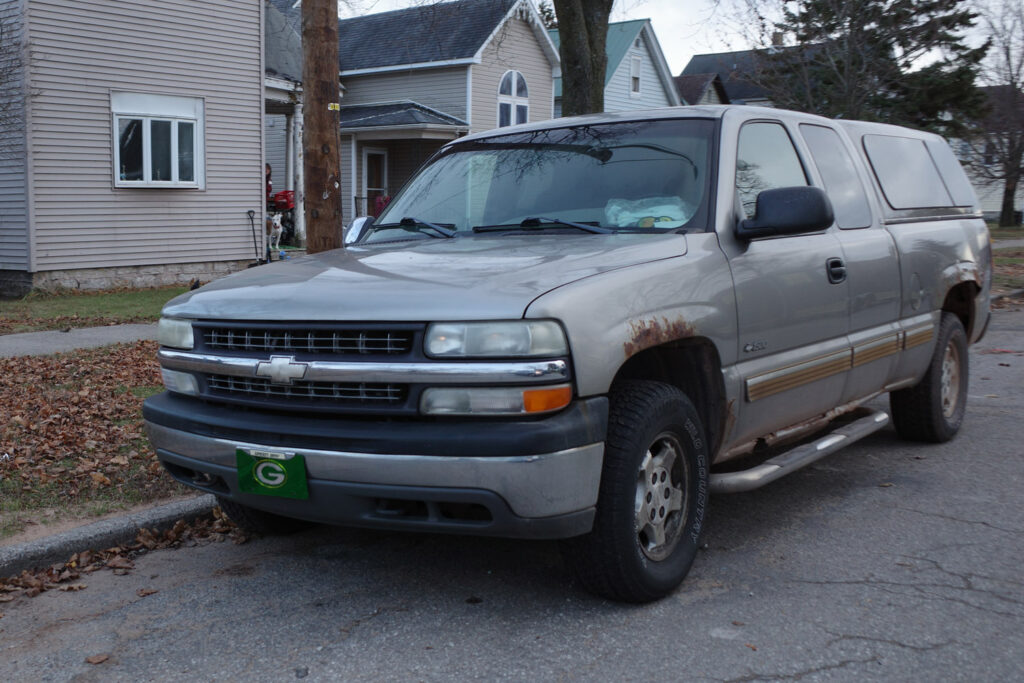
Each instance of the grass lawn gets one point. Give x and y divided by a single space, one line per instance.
1008 267
87 309
997 233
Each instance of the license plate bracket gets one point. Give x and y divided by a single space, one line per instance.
268 472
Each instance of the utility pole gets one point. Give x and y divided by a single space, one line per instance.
321 136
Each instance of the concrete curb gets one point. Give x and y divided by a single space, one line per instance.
99 535
1008 295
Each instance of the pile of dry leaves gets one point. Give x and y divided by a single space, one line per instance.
73 431
67 576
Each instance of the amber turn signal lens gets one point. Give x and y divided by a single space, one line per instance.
546 400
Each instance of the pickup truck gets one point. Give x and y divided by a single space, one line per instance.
583 328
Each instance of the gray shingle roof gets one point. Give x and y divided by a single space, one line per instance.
430 33
691 87
731 68
405 113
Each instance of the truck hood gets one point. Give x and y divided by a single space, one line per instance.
467 278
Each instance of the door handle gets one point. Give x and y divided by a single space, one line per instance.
836 270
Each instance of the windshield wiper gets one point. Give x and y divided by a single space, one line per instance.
418 225
541 222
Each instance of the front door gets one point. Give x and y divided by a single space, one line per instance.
792 320
375 180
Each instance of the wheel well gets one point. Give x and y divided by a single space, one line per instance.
960 302
693 366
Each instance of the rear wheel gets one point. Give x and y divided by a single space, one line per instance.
652 500
933 410
258 521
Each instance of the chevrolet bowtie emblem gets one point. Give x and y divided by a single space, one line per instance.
281 369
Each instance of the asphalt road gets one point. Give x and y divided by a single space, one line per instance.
885 561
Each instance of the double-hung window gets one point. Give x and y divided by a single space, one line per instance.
158 140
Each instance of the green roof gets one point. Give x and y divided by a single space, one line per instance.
621 35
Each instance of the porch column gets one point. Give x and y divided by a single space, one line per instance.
289 154
300 183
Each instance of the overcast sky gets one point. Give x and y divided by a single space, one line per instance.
684 27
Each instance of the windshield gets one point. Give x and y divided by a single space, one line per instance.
641 176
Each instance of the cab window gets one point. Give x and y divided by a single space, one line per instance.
766 159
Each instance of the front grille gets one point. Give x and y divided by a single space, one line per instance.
316 341
329 393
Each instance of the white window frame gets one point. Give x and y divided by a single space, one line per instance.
149 108
635 66
367 151
512 100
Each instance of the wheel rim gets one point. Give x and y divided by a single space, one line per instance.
950 379
661 497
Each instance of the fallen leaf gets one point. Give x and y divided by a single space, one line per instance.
738 623
143 592
120 562
97 659
886 485
99 478
752 647
73 587
6 598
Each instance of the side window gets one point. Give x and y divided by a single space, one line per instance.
906 172
766 159
844 188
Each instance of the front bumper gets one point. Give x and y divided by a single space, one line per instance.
529 478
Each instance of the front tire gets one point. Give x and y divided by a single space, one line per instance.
652 500
933 410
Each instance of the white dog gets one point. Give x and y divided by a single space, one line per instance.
275 231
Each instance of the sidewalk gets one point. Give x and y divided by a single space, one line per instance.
55 341
1007 244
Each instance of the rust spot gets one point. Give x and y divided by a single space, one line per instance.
730 419
645 334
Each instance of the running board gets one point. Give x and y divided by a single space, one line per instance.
801 456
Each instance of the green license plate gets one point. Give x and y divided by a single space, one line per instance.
272 473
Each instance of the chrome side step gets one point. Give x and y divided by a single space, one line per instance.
801 456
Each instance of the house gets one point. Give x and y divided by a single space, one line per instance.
993 155
131 141
736 73
416 78
701 89
637 75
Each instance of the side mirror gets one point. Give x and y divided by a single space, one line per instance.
356 229
788 211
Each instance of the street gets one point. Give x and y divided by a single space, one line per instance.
886 561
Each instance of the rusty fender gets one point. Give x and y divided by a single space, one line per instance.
646 334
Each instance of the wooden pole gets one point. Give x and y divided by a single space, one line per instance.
321 135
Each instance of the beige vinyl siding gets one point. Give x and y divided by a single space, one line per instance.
443 89
710 96
13 198
84 50
514 48
617 93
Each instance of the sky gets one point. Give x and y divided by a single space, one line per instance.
684 27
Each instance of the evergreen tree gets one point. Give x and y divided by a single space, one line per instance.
896 61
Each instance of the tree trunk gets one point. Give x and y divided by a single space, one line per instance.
1007 217
321 134
582 30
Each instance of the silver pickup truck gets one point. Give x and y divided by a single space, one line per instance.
582 329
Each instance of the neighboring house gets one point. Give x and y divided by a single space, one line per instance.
417 78
282 93
992 156
735 72
131 149
637 75
701 89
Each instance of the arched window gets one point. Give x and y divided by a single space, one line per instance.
513 99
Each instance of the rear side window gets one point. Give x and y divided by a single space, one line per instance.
952 172
765 160
906 172
844 188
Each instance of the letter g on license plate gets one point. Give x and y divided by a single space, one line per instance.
271 473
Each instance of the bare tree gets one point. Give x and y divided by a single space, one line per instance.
12 96
996 141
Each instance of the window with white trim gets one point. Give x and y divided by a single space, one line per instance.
513 99
158 140
634 75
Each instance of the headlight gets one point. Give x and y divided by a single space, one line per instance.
495 400
522 338
175 332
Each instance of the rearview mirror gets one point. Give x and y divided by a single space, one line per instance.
787 211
